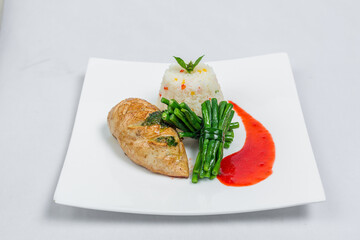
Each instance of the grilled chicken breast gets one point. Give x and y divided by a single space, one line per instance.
151 145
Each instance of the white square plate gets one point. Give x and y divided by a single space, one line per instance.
97 175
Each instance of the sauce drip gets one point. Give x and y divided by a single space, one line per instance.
254 162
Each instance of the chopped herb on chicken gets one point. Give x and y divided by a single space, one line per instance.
170 140
155 118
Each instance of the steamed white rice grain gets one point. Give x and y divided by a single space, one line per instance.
193 88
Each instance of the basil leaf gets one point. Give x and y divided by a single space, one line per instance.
190 66
180 62
198 60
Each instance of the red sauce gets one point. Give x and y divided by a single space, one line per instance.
254 162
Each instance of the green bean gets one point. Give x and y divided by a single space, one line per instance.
234 125
214 144
208 107
188 134
206 115
212 177
209 155
228 121
214 113
178 123
183 105
203 156
170 109
230 132
225 115
180 115
228 116
195 178
207 124
197 164
207 174
165 116
222 106
174 104
213 155
164 100
202 173
215 170
191 119
229 139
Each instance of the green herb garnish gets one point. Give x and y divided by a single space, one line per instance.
190 66
170 140
155 118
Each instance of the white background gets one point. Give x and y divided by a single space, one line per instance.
44 49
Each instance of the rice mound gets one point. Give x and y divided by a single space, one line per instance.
192 88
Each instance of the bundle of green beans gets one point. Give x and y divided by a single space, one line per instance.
214 131
182 117
216 134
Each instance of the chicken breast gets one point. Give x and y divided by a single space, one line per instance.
146 142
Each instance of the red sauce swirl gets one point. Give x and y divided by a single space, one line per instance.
254 162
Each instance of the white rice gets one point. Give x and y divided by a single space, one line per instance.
193 88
